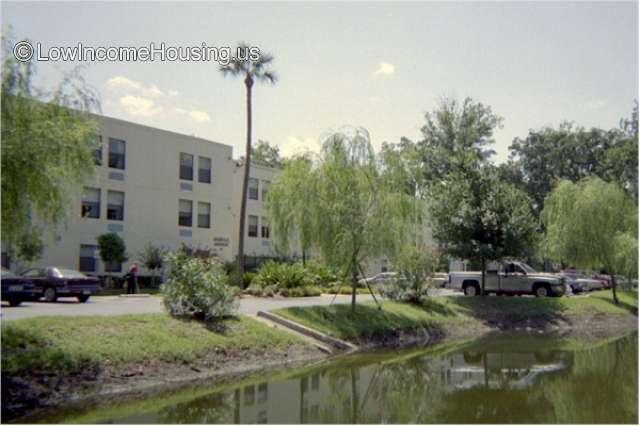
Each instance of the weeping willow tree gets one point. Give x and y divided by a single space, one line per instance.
289 206
349 211
591 224
48 144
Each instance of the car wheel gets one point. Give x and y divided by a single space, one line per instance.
50 295
15 302
542 291
471 290
83 298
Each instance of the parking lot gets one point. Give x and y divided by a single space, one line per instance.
120 305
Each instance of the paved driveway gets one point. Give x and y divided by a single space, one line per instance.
116 305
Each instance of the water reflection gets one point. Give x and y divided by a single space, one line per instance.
505 378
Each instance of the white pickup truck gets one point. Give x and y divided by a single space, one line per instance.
508 278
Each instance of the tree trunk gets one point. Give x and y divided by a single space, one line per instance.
248 81
304 258
483 262
614 288
354 286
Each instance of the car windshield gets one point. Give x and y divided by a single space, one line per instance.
528 269
68 273
5 273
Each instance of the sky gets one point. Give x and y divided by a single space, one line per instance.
381 66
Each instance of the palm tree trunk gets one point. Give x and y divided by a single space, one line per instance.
245 184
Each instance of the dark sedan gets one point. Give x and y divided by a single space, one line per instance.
53 282
15 290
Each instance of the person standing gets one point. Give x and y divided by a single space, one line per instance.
132 278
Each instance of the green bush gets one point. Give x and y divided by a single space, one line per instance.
283 275
197 287
321 274
247 278
254 290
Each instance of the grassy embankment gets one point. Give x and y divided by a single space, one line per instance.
440 312
72 344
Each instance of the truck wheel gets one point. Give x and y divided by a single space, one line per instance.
471 289
15 302
83 298
50 295
542 290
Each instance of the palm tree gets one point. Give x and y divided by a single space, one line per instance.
242 65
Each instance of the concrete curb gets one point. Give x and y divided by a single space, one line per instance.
309 332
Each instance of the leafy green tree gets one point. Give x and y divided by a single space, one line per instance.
452 128
266 154
475 215
250 70
353 213
589 224
112 249
290 207
48 140
416 264
573 153
27 249
358 216
152 257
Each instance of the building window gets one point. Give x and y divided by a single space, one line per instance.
91 203
113 267
185 212
265 189
204 170
117 150
115 205
88 260
204 215
97 153
264 229
253 188
186 166
253 226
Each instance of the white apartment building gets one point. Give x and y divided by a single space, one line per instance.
159 187
168 189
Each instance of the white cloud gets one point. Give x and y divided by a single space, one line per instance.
385 68
120 81
199 116
299 145
373 99
136 105
148 100
151 91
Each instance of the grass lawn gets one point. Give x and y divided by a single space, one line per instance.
339 321
72 343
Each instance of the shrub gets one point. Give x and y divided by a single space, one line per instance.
269 291
321 274
283 275
247 278
312 291
254 290
197 287
284 292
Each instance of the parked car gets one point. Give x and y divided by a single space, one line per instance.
580 281
53 282
511 277
382 278
15 290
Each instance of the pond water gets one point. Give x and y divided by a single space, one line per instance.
501 378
